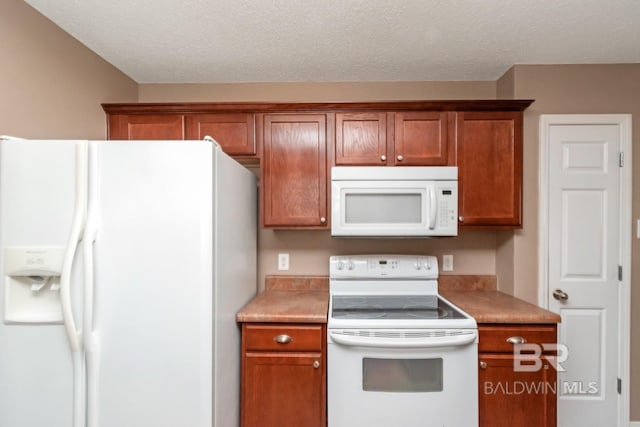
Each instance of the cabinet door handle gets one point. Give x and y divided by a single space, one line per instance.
516 340
383 158
461 218
323 220
400 158
283 339
483 364
316 364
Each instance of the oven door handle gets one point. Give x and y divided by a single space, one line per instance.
402 341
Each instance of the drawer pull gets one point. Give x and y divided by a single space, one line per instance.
316 364
483 364
516 340
283 339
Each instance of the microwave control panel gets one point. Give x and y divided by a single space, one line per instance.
447 205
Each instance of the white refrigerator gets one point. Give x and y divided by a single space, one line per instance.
122 267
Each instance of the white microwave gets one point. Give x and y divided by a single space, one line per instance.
380 201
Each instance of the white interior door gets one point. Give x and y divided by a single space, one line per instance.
583 238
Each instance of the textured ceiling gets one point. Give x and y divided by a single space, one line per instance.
197 41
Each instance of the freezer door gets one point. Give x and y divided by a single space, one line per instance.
36 213
153 285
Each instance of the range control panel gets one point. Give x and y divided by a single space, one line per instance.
383 266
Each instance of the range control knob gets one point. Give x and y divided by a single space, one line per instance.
340 265
350 266
427 265
417 265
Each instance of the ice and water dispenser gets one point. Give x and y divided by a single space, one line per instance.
32 285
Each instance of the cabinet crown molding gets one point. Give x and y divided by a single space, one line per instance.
274 107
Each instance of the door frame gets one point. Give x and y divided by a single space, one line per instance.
624 234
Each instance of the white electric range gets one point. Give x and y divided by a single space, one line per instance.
398 352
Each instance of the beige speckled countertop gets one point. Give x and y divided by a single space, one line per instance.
305 299
290 299
479 297
498 307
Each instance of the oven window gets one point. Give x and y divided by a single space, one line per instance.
402 375
383 208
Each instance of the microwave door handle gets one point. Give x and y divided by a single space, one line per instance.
433 208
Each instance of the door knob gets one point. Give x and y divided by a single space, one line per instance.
560 295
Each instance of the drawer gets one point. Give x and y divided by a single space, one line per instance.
494 338
283 337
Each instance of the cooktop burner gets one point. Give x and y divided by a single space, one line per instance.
392 307
389 292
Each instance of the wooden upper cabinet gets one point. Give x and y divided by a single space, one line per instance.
234 132
297 142
361 139
411 138
146 126
489 155
294 170
421 138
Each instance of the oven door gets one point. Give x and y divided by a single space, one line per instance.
408 378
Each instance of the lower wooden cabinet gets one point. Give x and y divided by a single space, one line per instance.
517 390
283 375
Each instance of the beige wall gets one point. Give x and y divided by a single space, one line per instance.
309 251
575 89
511 255
51 86
316 92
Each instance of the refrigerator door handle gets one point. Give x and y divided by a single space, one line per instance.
89 334
74 336
79 218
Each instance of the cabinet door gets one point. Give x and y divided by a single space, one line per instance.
283 390
294 171
421 139
234 132
489 153
515 399
146 127
361 139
